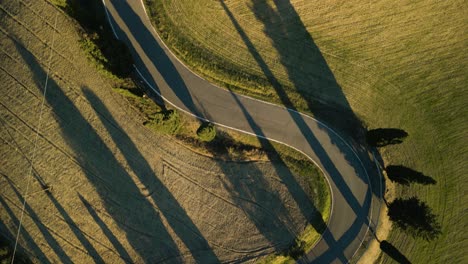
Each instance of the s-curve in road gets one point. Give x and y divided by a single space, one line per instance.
354 203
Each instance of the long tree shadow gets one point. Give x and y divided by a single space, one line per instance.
21 256
254 195
305 65
92 252
393 252
168 205
153 53
144 229
27 238
406 176
107 232
279 24
51 241
300 197
71 224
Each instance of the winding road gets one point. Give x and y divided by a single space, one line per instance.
348 170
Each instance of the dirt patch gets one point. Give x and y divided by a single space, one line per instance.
105 188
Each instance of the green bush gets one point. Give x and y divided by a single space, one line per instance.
296 250
167 122
206 132
5 254
111 56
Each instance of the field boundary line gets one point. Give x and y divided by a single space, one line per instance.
39 123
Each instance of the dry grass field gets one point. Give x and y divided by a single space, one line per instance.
102 187
394 64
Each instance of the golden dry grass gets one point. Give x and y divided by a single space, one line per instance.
104 187
395 64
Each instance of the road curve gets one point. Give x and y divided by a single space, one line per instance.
347 169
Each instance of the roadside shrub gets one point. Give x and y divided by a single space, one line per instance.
109 54
88 43
5 255
167 122
206 132
296 250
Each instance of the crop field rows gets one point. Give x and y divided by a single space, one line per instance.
102 186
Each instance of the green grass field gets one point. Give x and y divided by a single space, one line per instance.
394 64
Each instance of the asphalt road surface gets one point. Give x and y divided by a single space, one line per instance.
354 203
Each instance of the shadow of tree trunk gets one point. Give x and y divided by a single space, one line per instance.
393 252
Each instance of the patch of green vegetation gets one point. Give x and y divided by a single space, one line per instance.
167 122
206 132
108 54
62 4
6 253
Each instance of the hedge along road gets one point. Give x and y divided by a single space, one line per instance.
347 169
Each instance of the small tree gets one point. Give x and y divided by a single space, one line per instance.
166 122
206 132
296 250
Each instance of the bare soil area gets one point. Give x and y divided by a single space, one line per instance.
101 187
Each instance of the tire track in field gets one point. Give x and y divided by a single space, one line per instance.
56 216
38 221
26 27
44 20
193 181
45 138
174 169
21 84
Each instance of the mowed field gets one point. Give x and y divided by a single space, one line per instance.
394 64
99 186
